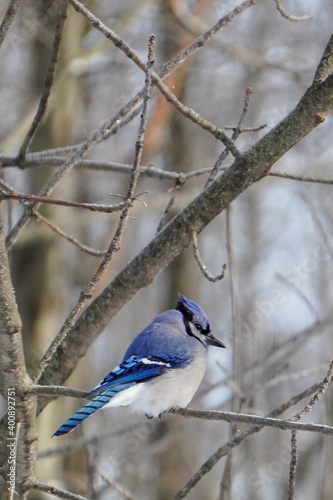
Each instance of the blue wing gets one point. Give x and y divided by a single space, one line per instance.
130 372
134 370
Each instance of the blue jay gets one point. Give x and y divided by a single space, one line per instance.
162 368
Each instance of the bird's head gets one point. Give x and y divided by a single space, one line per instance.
196 322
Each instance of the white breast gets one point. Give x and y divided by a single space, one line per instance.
173 389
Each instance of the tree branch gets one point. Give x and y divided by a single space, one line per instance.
229 416
8 19
58 492
254 165
238 439
15 387
117 238
48 81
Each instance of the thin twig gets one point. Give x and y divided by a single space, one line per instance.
201 40
292 467
157 80
116 240
83 442
270 420
301 178
246 129
237 397
128 111
189 113
71 239
299 292
238 439
58 492
112 125
288 377
316 218
285 14
180 181
51 158
197 26
94 207
202 266
226 478
279 354
48 81
8 19
323 388
229 416
236 131
118 487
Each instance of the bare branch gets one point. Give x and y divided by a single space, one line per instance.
170 97
238 439
49 160
180 181
207 36
58 492
118 487
301 178
285 14
293 465
55 390
235 134
202 266
325 67
254 165
116 240
299 292
71 239
15 383
94 207
46 159
196 118
8 18
48 81
197 26
255 420
83 442
323 388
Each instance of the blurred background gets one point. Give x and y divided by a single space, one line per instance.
272 309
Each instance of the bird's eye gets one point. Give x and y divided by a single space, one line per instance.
198 327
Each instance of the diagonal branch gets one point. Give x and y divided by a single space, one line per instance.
48 81
141 271
117 238
235 441
58 492
8 19
128 111
157 80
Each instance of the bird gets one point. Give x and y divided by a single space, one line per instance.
162 368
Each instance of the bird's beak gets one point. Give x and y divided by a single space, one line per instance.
211 340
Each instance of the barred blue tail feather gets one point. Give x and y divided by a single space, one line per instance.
162 368
130 372
90 408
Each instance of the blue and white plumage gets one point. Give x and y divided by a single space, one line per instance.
162 368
